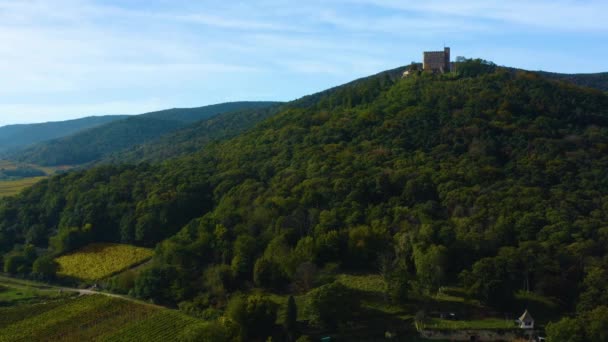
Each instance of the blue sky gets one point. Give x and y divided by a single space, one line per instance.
62 59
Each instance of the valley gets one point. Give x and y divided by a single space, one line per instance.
313 171
15 177
431 205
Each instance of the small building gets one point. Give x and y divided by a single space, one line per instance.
437 61
526 321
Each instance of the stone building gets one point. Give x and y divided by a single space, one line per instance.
437 61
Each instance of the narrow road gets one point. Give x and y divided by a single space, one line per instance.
20 283
88 292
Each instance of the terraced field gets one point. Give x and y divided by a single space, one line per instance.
101 260
91 318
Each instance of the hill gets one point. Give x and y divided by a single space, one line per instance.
16 136
95 143
493 183
193 137
596 80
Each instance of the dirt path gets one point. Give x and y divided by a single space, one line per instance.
85 292
20 283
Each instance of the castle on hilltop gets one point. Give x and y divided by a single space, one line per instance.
436 61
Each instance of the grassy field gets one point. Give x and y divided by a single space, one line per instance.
378 315
12 294
101 260
91 318
10 188
489 324
13 185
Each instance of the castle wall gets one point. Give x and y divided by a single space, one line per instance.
437 60
434 60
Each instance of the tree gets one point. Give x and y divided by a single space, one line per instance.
161 284
332 305
45 267
219 280
290 319
566 330
590 326
29 253
413 67
397 285
396 278
15 263
594 289
268 274
475 67
304 338
490 281
68 239
305 276
597 324
123 282
365 243
242 262
255 315
207 332
430 267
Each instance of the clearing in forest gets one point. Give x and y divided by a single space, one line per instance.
100 260
13 187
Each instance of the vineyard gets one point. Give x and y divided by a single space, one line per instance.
91 318
100 260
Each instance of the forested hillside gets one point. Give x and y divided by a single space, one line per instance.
494 182
193 137
95 143
597 80
15 136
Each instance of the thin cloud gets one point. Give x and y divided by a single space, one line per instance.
563 15
82 57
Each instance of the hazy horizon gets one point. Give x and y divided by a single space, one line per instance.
68 59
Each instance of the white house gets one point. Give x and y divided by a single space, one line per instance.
526 321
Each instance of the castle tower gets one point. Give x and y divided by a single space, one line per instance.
436 61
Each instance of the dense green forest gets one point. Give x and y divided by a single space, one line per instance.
96 143
16 136
487 179
193 137
597 80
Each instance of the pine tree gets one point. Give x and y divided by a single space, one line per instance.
291 316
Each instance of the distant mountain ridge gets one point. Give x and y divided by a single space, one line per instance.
597 81
92 144
594 80
21 135
193 137
164 134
